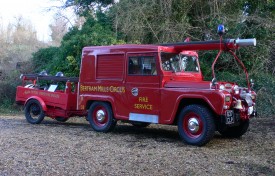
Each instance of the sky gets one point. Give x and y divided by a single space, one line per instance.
35 11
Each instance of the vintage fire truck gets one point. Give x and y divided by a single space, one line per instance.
144 84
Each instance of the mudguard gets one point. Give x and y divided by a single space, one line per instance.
43 104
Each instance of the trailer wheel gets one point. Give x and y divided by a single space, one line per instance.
100 116
196 125
140 124
61 119
34 112
235 132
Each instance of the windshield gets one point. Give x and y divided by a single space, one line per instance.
179 62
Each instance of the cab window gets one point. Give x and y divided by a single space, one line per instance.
142 65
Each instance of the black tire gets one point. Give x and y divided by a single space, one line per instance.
196 125
61 119
235 132
140 124
34 112
100 116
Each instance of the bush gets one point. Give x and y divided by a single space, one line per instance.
264 86
43 58
8 82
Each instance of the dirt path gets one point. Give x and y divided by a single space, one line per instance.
73 148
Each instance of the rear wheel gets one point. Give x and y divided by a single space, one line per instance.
235 132
100 116
196 125
61 119
34 112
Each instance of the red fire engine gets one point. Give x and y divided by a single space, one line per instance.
145 84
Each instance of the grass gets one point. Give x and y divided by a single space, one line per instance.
7 109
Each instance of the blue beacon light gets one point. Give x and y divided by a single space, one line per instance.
221 29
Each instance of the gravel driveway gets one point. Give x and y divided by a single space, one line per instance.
73 148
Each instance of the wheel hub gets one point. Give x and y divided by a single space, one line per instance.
193 125
100 115
34 110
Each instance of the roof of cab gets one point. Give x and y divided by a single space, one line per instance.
122 48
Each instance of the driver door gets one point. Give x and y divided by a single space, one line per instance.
142 87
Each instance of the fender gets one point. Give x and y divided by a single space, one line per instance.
214 109
43 104
109 99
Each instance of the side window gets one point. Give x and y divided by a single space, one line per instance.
142 65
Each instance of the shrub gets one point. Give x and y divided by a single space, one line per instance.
8 82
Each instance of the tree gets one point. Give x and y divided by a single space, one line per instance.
153 21
84 6
18 42
95 31
58 30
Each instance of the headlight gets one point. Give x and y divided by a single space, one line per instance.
222 87
227 98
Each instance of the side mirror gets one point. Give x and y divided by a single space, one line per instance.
214 82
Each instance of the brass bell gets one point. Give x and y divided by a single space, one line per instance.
238 105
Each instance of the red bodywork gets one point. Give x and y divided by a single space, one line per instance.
149 97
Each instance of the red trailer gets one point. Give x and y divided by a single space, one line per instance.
43 100
145 84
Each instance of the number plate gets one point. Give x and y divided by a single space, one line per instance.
229 117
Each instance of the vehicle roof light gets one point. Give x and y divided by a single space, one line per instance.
221 29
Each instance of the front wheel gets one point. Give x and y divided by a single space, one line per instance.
100 116
196 125
34 112
235 132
